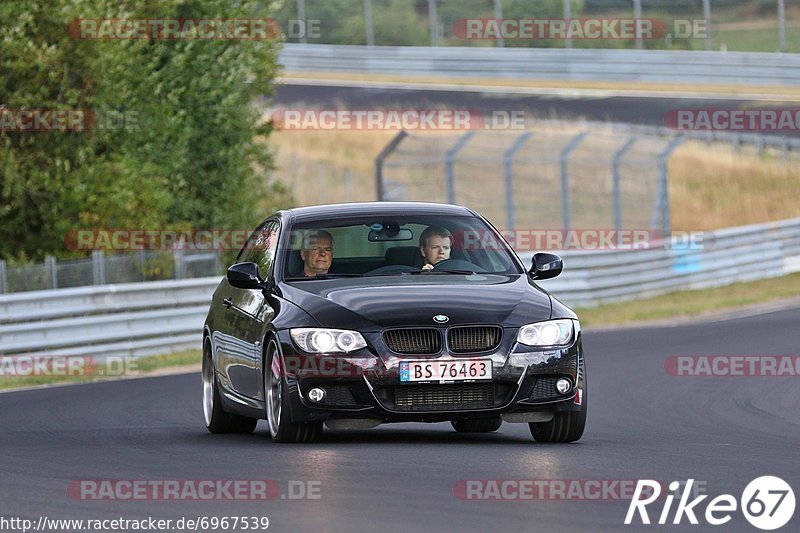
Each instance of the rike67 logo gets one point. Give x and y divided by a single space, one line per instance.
767 503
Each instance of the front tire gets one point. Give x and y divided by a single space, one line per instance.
281 427
477 425
217 420
566 426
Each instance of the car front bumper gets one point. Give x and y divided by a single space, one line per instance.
366 385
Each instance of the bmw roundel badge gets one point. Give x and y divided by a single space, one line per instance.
441 319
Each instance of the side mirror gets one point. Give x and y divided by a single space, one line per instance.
245 276
546 266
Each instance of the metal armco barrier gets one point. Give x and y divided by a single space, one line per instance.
652 66
162 316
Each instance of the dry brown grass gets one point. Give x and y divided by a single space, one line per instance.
714 187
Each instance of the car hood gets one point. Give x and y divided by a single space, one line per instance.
372 304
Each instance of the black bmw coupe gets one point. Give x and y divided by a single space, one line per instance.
355 315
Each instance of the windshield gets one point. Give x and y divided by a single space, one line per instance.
396 246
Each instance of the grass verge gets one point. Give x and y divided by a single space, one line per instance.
685 304
90 372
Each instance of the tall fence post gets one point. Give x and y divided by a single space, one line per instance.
98 268
301 16
498 14
564 162
434 22
782 25
368 24
3 278
380 185
348 184
567 15
508 164
449 163
615 164
637 14
50 266
662 199
707 17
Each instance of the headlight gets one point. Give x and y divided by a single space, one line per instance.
321 340
549 333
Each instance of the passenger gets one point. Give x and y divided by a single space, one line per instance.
317 252
434 245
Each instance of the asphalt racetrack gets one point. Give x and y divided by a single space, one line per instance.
643 423
602 106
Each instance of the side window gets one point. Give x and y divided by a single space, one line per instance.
261 246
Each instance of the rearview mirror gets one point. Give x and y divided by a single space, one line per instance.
546 266
245 276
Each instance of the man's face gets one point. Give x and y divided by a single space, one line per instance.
436 249
317 256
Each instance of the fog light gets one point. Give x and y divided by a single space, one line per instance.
316 394
563 385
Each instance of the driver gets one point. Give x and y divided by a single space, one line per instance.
434 245
317 252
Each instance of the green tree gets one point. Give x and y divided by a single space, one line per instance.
188 155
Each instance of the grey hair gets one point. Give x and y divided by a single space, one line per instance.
315 234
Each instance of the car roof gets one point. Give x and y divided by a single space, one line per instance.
336 211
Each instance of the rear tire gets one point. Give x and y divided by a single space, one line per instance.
566 426
276 399
217 420
477 425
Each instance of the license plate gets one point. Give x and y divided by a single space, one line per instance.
446 371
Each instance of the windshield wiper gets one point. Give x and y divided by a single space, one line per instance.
445 271
323 276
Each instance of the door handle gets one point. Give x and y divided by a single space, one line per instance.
227 302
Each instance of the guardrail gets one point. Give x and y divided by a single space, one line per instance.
158 317
726 256
650 66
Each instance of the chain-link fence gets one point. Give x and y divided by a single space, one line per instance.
565 177
100 269
554 175
735 25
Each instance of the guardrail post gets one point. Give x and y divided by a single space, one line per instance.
662 199
3 278
177 259
50 266
380 185
508 163
449 163
564 161
98 267
615 164
760 144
